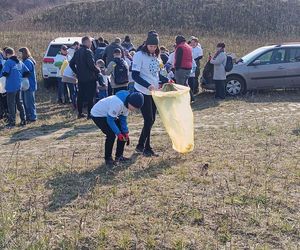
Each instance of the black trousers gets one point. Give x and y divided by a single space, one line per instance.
220 88
102 124
15 99
191 82
197 80
149 115
3 105
86 93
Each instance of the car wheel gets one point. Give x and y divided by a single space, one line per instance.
235 86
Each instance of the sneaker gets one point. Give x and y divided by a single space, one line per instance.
81 116
122 159
149 153
22 123
30 121
10 126
109 163
67 101
139 149
60 101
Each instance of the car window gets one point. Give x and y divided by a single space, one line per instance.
55 48
294 55
273 57
265 58
249 57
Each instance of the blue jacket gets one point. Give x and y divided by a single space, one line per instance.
30 64
122 95
2 61
14 71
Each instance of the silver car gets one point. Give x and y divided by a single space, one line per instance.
269 67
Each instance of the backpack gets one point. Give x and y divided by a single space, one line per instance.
229 64
208 73
99 52
120 72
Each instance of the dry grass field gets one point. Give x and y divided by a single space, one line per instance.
239 189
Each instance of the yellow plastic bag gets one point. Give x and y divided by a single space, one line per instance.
177 116
63 67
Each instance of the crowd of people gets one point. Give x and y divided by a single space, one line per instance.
15 68
110 79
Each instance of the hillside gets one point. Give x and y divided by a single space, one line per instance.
15 9
214 16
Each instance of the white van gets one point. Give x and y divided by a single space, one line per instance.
49 71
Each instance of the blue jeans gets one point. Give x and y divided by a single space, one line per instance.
60 89
131 87
101 95
29 104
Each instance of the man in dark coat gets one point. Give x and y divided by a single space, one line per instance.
108 54
83 65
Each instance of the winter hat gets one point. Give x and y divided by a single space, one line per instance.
117 51
193 38
221 45
127 39
180 39
152 38
152 32
64 47
136 99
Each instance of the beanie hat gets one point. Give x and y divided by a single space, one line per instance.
136 99
117 51
221 45
152 38
180 39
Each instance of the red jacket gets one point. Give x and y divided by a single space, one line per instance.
183 56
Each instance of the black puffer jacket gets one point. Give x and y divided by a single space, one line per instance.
108 55
83 65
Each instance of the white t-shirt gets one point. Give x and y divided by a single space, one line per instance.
193 70
197 51
149 67
129 62
171 75
171 59
105 80
110 106
71 53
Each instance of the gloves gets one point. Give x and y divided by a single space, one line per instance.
127 139
124 138
121 137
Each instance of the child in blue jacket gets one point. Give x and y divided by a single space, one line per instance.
3 102
110 115
14 71
29 95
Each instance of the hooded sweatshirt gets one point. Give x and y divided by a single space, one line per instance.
113 107
14 71
30 64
